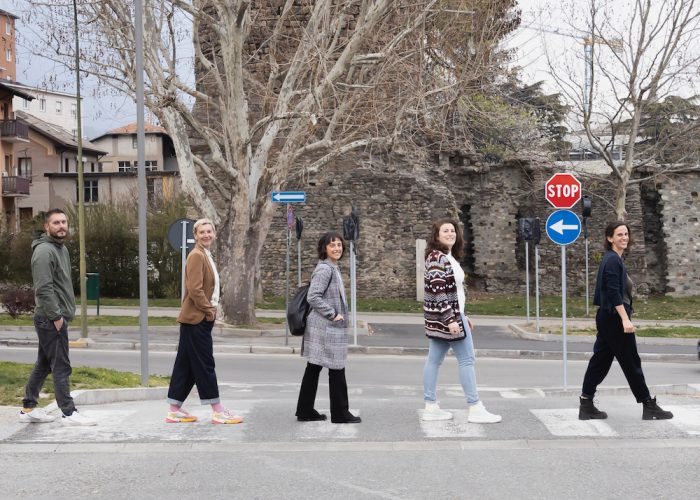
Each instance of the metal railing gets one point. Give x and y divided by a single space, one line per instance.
14 185
14 128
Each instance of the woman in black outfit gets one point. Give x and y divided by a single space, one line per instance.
615 337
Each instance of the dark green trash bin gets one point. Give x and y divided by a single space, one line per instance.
93 288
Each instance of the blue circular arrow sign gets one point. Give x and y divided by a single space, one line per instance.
563 227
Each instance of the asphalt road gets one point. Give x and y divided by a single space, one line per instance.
540 450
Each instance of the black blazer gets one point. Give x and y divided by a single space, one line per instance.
610 283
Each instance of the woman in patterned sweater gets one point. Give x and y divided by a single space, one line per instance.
446 326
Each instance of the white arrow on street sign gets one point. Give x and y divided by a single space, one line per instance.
560 227
289 196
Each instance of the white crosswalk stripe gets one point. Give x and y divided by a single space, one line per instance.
458 427
565 423
686 418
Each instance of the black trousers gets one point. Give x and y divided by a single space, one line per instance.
51 358
194 364
337 391
613 343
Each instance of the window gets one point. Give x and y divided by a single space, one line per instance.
8 27
151 190
24 168
66 165
92 166
91 192
42 104
151 165
59 107
134 142
25 103
124 166
74 110
8 54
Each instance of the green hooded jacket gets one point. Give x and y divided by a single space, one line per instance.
51 273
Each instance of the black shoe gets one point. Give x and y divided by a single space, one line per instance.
349 418
652 411
314 416
588 411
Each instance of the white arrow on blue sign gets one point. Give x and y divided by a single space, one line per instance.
563 227
289 196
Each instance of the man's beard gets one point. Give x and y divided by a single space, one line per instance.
55 235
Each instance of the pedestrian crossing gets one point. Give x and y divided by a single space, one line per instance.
389 414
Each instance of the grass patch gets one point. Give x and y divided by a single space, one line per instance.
134 302
13 378
671 332
26 320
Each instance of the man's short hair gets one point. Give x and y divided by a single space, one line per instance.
53 211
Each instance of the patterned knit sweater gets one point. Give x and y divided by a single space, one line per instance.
441 303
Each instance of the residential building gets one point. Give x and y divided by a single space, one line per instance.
14 183
53 150
8 63
121 143
57 108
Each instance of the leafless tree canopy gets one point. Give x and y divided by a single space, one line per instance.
256 94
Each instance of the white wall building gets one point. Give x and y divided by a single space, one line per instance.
56 108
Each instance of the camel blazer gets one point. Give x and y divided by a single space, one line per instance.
199 287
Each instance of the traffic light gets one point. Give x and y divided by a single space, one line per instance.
529 229
586 204
299 227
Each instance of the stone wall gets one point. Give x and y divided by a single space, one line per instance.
680 209
397 203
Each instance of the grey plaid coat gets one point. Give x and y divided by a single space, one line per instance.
326 341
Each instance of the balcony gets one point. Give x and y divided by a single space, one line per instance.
14 131
13 186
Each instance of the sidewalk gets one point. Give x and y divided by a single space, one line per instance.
377 333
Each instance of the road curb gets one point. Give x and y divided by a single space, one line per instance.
521 332
106 396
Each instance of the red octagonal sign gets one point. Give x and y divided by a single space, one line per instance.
563 190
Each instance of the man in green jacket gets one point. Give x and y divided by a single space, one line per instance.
55 308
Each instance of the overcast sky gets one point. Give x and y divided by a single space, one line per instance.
99 115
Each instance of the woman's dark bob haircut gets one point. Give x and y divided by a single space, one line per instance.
325 240
434 243
610 231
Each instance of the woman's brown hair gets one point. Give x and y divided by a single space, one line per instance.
434 243
610 231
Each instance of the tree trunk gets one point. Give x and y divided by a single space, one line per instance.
240 255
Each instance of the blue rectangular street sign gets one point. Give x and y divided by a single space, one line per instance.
288 196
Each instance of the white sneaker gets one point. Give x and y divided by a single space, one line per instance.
433 412
479 415
37 415
76 418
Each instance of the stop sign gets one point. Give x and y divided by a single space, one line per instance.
563 190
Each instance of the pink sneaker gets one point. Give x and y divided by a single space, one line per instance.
225 417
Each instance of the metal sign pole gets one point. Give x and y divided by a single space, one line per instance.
527 280
586 240
183 259
286 292
563 309
537 288
353 294
299 263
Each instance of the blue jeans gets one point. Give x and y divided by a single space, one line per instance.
464 351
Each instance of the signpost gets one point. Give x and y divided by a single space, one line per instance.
288 197
563 227
181 238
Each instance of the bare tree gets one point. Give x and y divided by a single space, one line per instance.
274 90
636 54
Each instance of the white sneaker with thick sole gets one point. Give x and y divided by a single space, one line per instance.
76 418
479 415
433 412
37 416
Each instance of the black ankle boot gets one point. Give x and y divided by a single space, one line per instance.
588 411
652 411
314 416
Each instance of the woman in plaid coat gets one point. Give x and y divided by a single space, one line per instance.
325 342
446 326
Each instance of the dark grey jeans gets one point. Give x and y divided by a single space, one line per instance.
51 358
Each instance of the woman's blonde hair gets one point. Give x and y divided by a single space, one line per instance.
202 222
